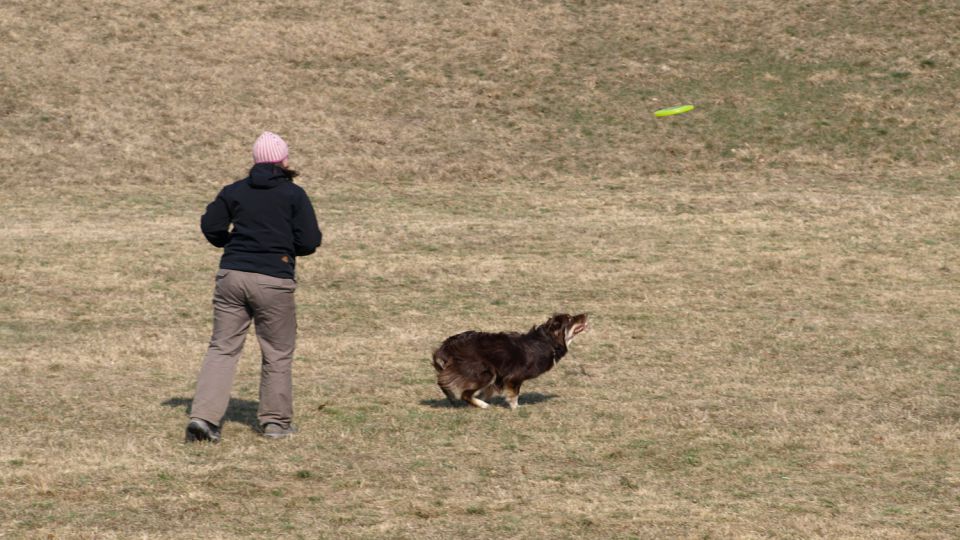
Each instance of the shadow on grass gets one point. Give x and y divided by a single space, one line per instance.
531 398
241 411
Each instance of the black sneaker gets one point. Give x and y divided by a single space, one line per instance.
201 430
276 431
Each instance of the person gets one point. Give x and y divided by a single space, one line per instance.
273 223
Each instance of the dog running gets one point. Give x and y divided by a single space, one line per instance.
474 366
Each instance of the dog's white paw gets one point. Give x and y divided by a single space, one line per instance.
479 403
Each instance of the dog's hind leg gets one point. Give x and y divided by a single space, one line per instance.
468 396
451 396
451 383
488 392
484 391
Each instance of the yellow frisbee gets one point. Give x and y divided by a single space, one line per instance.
680 109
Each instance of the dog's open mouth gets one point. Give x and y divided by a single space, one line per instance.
577 325
580 328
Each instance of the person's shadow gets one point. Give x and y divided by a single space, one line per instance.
241 411
531 398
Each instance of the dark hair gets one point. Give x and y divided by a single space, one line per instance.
291 174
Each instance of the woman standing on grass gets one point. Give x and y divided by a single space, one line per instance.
273 224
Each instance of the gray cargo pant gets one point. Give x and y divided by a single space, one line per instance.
239 298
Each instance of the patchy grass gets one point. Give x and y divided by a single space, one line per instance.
772 277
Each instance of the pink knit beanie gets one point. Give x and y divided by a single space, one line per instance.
269 148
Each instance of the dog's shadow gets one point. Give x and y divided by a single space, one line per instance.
531 398
241 411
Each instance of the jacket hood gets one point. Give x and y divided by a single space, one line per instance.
267 176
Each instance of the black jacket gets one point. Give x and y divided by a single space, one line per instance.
273 223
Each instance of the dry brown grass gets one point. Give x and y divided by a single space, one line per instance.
773 277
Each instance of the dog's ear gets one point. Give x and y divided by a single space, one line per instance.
556 325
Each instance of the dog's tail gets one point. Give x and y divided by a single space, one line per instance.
440 360
448 379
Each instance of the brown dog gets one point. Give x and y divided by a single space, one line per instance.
473 366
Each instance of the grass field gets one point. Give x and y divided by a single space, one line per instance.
773 278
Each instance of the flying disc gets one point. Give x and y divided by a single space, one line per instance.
670 111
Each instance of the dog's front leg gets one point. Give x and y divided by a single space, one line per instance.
512 393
